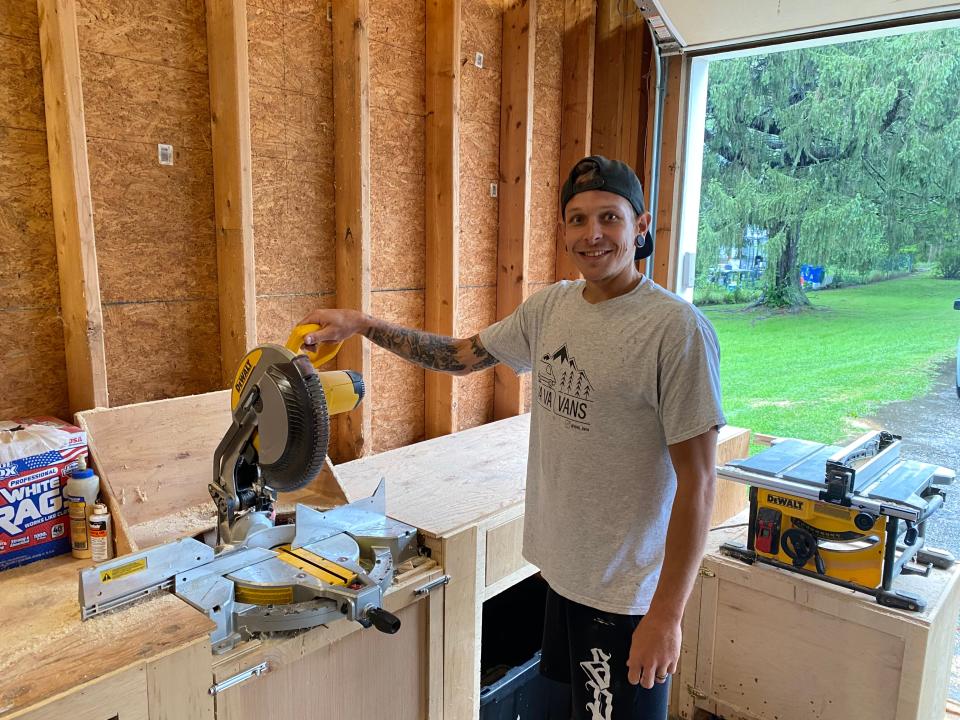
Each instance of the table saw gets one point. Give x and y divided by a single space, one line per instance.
854 516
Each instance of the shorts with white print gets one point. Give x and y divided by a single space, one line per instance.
588 649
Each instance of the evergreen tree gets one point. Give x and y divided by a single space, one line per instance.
844 153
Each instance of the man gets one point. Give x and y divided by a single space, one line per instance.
623 429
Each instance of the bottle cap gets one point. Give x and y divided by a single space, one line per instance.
99 509
81 473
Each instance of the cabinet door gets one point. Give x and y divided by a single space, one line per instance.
365 674
119 697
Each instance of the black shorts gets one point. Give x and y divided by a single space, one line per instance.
588 649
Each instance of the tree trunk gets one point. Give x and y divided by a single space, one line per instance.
785 290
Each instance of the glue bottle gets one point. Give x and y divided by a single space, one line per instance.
81 494
100 532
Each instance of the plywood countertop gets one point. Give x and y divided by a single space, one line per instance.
48 650
446 484
443 485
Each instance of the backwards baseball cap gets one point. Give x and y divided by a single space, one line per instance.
599 173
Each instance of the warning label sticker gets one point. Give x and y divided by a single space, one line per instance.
115 573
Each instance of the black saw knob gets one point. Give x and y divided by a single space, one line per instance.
383 620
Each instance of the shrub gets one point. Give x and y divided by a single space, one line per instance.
948 264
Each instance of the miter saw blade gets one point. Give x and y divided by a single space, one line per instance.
293 425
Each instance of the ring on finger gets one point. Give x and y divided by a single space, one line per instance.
661 678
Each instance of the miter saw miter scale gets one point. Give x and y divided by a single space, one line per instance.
262 576
853 516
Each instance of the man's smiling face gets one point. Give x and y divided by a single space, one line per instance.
600 230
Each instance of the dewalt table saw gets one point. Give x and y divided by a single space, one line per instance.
854 516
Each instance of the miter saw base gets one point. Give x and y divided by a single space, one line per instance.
327 566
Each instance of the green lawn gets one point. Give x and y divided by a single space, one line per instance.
813 374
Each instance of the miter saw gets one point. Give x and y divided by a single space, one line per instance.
261 576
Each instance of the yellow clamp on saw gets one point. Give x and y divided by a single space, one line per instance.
262 576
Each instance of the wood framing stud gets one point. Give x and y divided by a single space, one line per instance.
72 206
576 121
607 127
232 180
516 150
636 69
665 248
442 202
351 129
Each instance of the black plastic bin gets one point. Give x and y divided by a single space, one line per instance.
512 687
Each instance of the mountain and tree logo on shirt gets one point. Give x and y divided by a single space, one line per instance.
563 388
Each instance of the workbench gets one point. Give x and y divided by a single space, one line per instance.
464 492
762 643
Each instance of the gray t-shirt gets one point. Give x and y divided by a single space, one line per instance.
614 384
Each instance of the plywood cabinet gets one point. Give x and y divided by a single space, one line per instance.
342 672
765 644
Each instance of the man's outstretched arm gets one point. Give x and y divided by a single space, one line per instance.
457 356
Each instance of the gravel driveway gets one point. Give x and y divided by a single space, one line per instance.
930 427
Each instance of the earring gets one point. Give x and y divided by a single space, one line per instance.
639 241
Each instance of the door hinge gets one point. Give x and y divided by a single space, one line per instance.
696 692
250 672
703 572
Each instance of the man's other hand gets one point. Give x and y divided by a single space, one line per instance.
654 650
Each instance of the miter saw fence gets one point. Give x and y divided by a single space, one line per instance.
264 577
854 516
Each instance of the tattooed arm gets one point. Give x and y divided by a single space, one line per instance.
458 356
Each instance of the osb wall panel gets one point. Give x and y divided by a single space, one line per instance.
290 49
160 345
397 219
478 309
144 74
481 32
148 221
159 33
32 366
396 388
544 167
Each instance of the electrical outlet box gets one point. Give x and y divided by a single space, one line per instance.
478 60
493 189
165 154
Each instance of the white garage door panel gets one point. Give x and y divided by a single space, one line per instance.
715 23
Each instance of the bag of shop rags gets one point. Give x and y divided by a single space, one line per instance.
36 457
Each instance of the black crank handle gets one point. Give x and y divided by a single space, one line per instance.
383 620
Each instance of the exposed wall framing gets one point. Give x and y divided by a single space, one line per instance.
442 200
397 211
447 207
351 99
32 368
481 66
72 208
232 180
516 149
621 88
671 177
145 82
576 121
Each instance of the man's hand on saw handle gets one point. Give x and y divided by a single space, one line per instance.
335 326
458 356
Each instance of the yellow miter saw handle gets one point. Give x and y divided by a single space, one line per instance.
324 353
343 389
